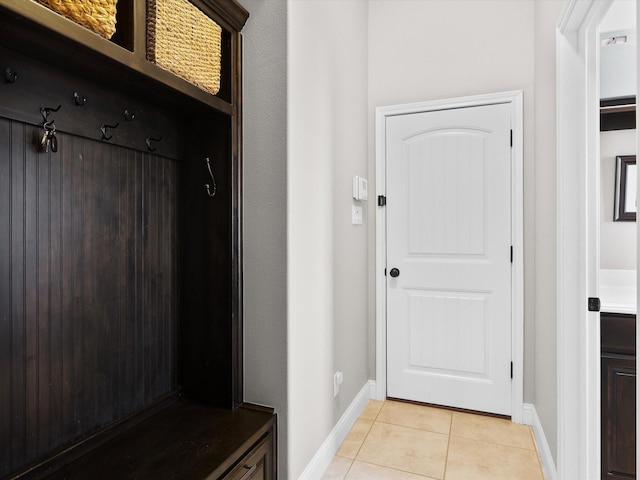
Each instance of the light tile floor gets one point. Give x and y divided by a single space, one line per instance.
404 441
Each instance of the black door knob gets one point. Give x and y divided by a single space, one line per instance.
394 272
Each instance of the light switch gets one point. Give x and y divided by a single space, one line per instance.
356 215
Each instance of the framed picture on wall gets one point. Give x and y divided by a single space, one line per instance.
625 192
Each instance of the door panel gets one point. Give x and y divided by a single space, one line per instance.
449 234
446 193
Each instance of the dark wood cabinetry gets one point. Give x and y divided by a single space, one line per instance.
120 275
618 373
618 114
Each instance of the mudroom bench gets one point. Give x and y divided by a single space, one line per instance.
184 441
121 243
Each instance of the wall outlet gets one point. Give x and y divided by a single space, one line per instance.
337 381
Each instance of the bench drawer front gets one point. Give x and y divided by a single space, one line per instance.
257 464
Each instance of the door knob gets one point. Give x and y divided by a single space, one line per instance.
394 272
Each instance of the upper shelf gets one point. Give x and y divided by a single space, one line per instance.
618 114
34 29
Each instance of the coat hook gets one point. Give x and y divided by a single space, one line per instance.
151 139
80 100
103 129
45 111
10 75
129 116
210 191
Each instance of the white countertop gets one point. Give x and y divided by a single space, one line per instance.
618 291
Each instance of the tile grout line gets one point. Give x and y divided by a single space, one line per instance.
412 428
353 460
446 457
534 449
346 474
386 467
535 446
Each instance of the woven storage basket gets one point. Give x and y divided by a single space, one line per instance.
183 40
97 15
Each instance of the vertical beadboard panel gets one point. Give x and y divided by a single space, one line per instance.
17 314
88 296
434 346
55 297
6 357
44 282
445 174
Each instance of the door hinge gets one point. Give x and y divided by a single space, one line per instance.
511 253
593 304
511 369
511 138
385 272
382 200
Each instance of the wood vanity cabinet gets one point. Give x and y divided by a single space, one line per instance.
618 389
120 270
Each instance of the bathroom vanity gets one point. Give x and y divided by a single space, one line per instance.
618 374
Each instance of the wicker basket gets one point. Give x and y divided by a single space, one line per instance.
183 40
97 15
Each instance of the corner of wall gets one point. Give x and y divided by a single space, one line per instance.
530 417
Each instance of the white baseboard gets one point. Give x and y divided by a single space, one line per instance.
324 456
530 417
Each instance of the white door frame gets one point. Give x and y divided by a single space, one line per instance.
514 98
578 149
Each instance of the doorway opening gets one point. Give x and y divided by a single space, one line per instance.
578 45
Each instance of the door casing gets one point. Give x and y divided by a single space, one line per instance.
514 99
578 151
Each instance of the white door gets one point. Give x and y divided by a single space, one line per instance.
449 237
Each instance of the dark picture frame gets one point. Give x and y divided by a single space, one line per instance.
625 191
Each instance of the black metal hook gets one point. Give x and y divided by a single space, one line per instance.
129 116
10 75
45 111
103 129
207 186
151 139
80 100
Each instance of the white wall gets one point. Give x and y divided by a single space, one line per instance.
265 209
314 72
544 346
620 16
305 264
327 259
450 48
617 239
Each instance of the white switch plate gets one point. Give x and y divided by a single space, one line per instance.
356 215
